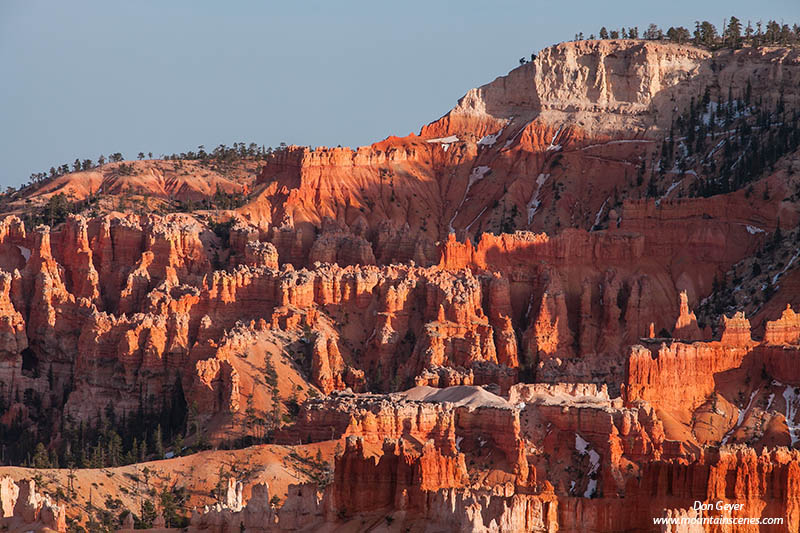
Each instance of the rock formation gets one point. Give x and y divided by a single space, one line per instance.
785 330
686 325
482 316
24 506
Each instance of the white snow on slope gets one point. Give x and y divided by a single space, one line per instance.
490 139
553 146
712 108
782 272
26 252
591 488
535 202
740 419
512 139
621 141
582 447
669 190
475 176
753 230
599 214
474 220
792 399
444 140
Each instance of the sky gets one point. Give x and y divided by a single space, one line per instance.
84 78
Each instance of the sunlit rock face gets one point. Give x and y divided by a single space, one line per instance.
517 320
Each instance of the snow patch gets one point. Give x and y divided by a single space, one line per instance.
490 139
458 443
553 146
535 202
669 190
474 220
715 149
599 214
740 419
26 252
512 139
712 108
752 230
580 444
591 488
627 141
620 141
749 404
789 264
445 140
582 447
792 399
477 174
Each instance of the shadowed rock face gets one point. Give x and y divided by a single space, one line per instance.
512 254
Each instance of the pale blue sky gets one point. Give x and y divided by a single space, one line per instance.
81 78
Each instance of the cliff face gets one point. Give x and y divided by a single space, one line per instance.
166 313
515 153
497 318
585 81
609 86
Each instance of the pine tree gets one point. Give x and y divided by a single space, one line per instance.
678 35
705 33
169 507
142 454
733 33
177 445
148 515
777 236
114 449
219 489
158 443
41 459
653 33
